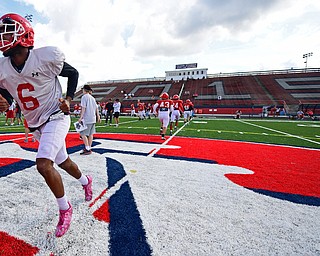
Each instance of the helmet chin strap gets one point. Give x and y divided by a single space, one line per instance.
14 51
8 53
11 52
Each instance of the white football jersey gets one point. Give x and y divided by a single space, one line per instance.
36 89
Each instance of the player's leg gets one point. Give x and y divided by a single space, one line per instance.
160 120
171 127
107 116
86 181
177 123
116 118
90 139
84 135
51 176
165 121
51 138
171 123
54 182
65 163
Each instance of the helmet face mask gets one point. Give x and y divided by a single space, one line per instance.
15 30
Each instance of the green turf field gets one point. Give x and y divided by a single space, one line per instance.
273 131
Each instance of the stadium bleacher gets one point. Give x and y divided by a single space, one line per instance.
222 93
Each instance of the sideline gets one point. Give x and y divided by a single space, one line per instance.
288 134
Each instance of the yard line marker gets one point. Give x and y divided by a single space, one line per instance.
156 149
16 139
309 125
288 134
200 122
132 121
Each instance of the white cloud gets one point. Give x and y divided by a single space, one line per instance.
143 38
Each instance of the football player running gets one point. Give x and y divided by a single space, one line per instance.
30 77
177 110
163 107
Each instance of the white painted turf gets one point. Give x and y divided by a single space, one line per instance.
187 208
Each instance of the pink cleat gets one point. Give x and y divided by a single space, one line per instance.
64 221
88 189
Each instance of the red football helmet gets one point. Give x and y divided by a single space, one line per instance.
15 30
188 101
164 96
175 97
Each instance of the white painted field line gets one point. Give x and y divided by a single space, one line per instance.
156 149
102 198
288 134
132 121
10 140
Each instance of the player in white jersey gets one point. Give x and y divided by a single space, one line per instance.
30 77
163 107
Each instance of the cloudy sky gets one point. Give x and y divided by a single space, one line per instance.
119 39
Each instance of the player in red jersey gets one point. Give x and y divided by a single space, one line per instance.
149 109
76 110
30 76
163 107
132 110
141 110
10 113
177 111
103 110
188 108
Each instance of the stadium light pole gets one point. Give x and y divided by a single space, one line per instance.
306 56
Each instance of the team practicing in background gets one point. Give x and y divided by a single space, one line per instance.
169 111
169 115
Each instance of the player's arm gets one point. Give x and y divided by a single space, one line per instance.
72 74
5 99
155 108
171 108
83 109
181 107
98 116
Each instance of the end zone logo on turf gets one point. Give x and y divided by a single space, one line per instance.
293 178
